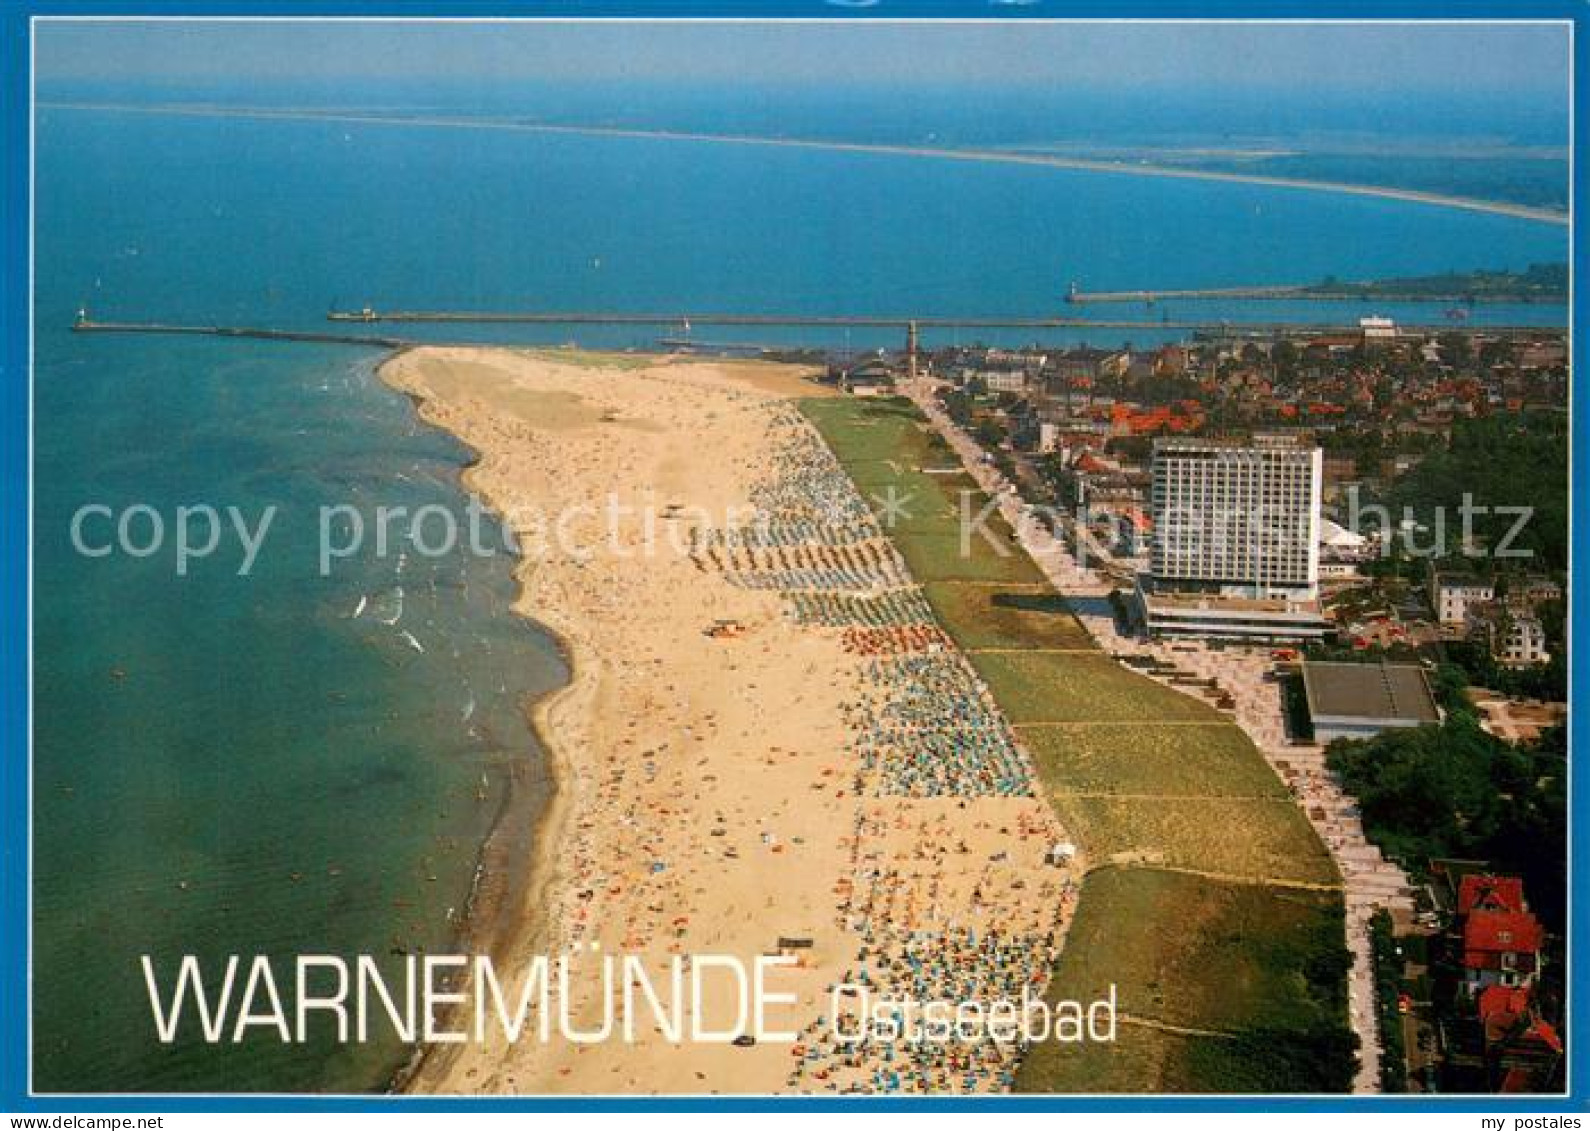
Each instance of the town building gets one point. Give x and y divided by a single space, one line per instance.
1005 380
1504 616
1527 593
1523 642
1523 1051
1235 550
1501 938
1377 329
871 378
1498 1038
1237 519
1338 544
1026 427
1451 595
1347 700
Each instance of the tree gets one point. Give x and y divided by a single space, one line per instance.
989 432
1456 350
1500 463
1284 356
1454 790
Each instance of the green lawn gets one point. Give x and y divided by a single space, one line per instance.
1149 1061
983 616
1158 937
1152 934
947 558
1047 687
1150 759
1259 962
885 450
1259 840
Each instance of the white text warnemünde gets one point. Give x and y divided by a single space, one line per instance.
582 997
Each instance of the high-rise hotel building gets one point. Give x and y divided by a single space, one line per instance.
1235 548
1237 517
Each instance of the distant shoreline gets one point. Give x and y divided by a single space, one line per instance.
989 156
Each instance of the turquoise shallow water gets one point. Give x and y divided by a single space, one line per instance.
228 764
232 764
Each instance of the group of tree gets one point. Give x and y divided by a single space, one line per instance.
1548 681
958 405
1512 465
1454 790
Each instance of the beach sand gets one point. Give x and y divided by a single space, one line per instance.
711 797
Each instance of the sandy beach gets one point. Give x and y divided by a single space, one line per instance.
766 742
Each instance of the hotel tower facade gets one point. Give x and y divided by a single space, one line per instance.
1235 549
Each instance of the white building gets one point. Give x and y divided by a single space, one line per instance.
1377 328
1212 617
1240 519
1337 543
1452 595
1236 544
1005 380
1524 642
1339 571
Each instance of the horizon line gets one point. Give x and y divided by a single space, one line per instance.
1531 213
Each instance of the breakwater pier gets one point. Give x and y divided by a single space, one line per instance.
909 325
903 322
380 341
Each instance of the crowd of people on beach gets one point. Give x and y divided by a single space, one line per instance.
938 924
934 919
811 486
885 1045
927 728
896 608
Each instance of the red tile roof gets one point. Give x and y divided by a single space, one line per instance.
1490 893
1516 1081
1546 1033
1500 1008
1487 935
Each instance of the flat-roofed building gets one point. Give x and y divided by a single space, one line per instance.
1210 616
1376 328
1347 700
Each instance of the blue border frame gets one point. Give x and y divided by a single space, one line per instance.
15 505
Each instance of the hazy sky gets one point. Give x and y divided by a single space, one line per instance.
1526 59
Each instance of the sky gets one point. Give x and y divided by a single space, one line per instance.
1464 59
